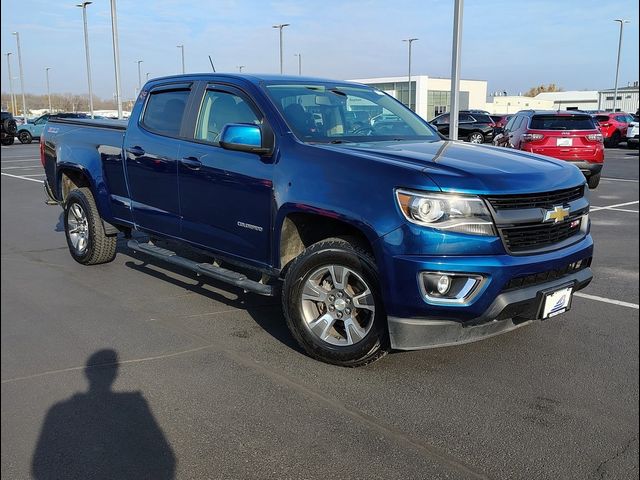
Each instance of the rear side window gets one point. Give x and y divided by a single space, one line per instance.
562 122
164 111
466 118
482 118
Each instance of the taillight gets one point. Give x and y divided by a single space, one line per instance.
42 150
532 137
595 137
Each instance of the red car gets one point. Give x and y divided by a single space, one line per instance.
613 126
565 135
500 120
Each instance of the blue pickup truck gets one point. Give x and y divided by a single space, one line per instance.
377 235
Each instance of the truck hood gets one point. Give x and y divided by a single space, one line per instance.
468 168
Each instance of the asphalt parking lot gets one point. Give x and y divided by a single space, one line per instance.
209 384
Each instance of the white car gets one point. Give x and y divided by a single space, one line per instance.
632 135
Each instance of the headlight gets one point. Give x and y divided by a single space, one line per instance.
450 212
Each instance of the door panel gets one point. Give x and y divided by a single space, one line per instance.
151 151
226 197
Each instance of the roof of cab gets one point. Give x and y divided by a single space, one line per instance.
253 78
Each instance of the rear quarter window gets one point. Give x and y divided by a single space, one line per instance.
562 122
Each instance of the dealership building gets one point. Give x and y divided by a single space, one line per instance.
627 100
430 96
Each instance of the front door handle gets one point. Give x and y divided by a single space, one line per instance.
136 151
192 163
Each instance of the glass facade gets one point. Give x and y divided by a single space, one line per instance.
439 101
400 91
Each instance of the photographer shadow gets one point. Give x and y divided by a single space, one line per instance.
102 434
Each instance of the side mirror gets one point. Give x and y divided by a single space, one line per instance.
243 137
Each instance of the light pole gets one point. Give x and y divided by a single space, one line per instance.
24 100
240 67
83 5
299 55
181 47
615 95
280 27
139 62
455 69
14 106
46 72
116 55
409 42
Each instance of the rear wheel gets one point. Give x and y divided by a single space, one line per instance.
24 136
332 304
87 241
614 140
8 140
594 180
475 137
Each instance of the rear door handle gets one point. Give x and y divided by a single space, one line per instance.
192 163
136 151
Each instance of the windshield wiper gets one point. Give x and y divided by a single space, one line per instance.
341 141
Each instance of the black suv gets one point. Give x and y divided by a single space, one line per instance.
9 128
472 127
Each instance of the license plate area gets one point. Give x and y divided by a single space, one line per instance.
564 142
556 301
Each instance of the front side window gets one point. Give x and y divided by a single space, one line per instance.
164 111
302 104
218 109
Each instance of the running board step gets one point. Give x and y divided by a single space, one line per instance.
218 273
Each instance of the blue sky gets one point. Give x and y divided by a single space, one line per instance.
513 44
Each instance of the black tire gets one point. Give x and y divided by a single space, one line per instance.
10 126
25 137
614 141
100 248
479 138
340 252
593 181
8 140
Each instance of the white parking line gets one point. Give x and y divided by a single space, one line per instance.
22 178
609 207
607 300
42 175
620 179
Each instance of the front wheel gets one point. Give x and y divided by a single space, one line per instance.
87 241
332 304
475 137
8 140
24 137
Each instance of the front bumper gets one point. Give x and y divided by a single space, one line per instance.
523 305
511 288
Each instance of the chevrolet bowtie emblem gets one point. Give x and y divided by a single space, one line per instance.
558 214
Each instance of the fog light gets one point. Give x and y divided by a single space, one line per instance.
443 284
447 287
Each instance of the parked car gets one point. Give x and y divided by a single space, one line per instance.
472 127
500 120
382 239
613 126
27 132
9 128
564 135
632 134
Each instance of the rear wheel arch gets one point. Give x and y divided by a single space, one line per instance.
69 179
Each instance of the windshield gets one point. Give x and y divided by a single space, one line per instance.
326 113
